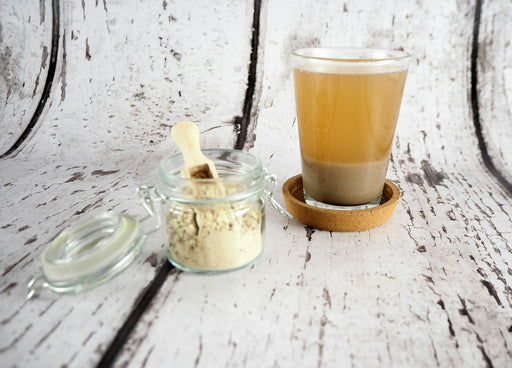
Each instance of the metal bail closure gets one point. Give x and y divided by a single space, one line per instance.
269 194
89 253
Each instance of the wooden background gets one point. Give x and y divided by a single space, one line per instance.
88 93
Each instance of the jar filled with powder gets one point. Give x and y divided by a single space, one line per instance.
214 225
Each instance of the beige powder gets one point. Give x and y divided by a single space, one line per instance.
217 236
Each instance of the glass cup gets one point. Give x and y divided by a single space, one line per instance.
347 101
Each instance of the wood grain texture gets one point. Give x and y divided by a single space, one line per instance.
125 74
25 43
495 83
431 287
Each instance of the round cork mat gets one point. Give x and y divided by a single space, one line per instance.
339 220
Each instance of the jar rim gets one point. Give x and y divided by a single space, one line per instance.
249 172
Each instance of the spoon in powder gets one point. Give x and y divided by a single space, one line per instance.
186 136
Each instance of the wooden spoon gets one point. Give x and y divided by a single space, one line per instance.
186 135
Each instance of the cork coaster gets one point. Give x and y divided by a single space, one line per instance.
339 220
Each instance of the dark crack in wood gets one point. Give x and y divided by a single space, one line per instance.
482 145
141 306
242 123
488 362
48 82
492 291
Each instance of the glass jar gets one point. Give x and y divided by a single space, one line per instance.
212 225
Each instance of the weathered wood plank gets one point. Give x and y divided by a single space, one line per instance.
494 71
25 45
125 74
432 287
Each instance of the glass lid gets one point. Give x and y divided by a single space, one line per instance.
89 252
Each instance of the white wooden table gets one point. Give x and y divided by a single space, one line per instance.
88 93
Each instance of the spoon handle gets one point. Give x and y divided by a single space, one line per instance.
186 135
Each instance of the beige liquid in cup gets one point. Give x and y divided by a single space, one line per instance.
347 120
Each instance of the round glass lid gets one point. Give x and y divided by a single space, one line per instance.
90 252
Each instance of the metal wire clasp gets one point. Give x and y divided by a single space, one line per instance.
271 180
148 196
34 285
